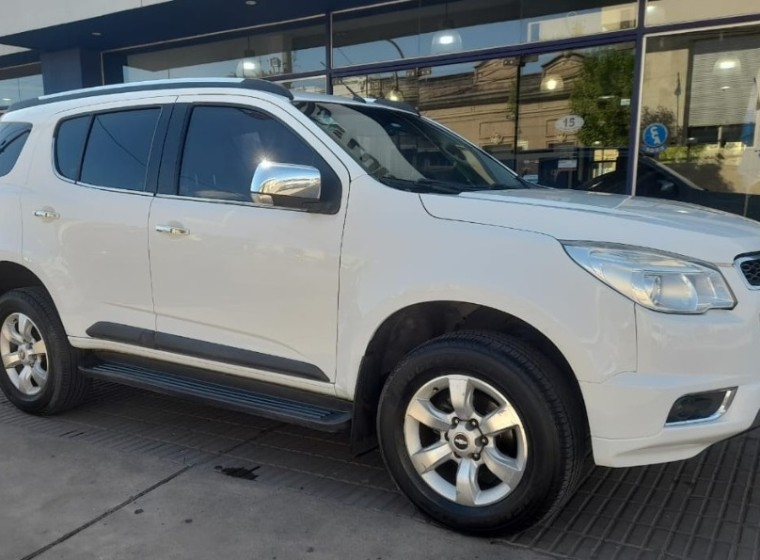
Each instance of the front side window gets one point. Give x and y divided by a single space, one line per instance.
118 149
12 139
408 152
225 145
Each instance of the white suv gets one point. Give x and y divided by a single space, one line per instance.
347 263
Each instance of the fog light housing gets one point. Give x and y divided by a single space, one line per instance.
701 407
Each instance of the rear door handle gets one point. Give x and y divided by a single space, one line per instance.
47 215
172 230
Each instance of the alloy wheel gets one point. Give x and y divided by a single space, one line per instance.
24 354
465 440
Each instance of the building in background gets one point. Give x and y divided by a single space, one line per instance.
558 90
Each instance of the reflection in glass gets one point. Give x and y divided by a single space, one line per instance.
477 100
258 55
306 85
659 12
574 114
558 119
434 27
406 152
19 83
703 88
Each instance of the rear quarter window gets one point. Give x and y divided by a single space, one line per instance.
13 136
69 146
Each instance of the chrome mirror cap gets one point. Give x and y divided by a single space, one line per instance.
283 179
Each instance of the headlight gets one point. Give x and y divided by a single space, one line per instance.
655 280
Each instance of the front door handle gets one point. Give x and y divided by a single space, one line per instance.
172 230
47 214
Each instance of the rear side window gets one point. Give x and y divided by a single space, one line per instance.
12 139
69 145
118 149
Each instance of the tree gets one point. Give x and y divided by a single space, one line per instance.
604 82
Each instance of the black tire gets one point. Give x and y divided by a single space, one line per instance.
65 386
552 418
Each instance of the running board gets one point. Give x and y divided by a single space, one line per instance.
276 402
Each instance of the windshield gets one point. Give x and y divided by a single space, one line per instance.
405 151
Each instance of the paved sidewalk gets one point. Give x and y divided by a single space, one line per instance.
136 475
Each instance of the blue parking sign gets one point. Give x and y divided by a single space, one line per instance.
655 138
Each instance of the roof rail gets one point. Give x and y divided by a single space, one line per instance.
156 85
408 107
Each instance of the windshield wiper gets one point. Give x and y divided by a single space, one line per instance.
443 187
422 185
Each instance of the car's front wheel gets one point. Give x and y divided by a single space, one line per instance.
39 367
479 431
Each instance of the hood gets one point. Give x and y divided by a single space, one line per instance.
689 230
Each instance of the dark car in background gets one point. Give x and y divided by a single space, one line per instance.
660 181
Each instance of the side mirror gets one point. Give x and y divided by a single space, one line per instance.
301 182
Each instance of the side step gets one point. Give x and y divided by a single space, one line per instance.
293 406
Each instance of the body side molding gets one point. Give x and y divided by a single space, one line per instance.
205 350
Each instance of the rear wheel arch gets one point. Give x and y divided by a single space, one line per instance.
14 276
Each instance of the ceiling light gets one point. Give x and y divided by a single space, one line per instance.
97 34
727 64
250 2
655 14
552 82
446 41
248 68
395 95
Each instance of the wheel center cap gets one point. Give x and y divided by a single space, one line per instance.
22 354
461 442
465 439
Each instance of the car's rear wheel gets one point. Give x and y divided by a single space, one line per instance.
480 432
40 369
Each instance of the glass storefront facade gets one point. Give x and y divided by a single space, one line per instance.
656 98
703 86
20 82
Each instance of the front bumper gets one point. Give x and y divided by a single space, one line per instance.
679 355
636 406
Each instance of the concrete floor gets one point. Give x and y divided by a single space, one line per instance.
136 475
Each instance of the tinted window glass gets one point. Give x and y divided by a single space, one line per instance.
69 144
118 149
12 139
225 145
405 151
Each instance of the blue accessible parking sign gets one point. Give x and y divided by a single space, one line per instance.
654 138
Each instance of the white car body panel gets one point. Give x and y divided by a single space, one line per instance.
93 258
697 232
332 280
523 273
278 269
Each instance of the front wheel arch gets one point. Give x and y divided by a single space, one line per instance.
412 326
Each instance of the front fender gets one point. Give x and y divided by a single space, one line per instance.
420 259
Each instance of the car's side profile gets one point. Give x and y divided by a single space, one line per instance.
348 264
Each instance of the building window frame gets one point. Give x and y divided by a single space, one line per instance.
638 35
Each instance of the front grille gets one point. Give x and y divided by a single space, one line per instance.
750 267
